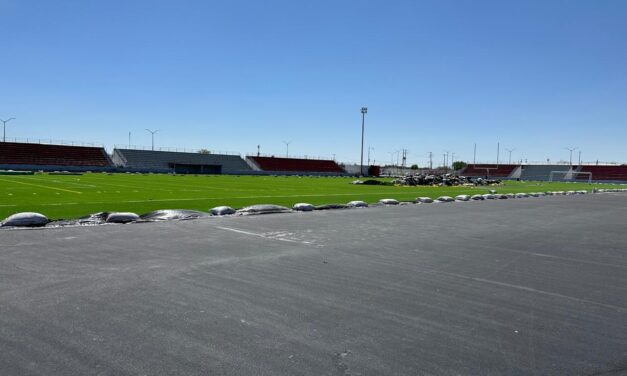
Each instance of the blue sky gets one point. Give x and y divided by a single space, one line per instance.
436 76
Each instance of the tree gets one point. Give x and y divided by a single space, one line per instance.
204 151
458 165
414 167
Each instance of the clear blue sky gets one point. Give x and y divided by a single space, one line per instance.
440 75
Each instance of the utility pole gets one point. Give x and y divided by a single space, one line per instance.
430 160
129 140
4 128
258 150
369 149
579 158
404 157
498 150
474 155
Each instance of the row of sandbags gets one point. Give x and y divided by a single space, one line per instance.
30 219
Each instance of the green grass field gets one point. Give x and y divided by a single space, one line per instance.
74 196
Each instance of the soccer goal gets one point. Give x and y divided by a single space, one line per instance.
569 175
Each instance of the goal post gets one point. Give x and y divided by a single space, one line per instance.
571 174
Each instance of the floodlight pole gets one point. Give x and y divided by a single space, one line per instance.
364 111
4 128
153 137
287 148
570 162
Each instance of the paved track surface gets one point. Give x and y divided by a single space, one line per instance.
517 287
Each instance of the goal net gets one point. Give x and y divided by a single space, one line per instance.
569 175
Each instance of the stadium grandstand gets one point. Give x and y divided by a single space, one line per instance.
617 173
543 172
48 157
296 165
77 157
490 170
179 162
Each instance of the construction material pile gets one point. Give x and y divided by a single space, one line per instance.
443 180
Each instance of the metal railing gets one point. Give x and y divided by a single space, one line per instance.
545 163
53 142
175 149
278 155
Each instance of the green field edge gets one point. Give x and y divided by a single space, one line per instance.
72 197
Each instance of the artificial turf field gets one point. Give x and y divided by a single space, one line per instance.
74 196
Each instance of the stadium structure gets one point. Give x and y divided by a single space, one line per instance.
27 156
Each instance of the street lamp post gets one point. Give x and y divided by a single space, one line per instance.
510 154
287 148
153 137
570 161
4 128
364 111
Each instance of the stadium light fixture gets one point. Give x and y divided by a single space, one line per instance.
364 111
153 137
570 161
4 128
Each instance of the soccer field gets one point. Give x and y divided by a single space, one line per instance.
73 196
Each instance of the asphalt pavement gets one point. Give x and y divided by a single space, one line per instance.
534 286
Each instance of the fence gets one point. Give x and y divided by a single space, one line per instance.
53 142
173 149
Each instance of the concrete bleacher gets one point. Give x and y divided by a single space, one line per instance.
168 161
296 165
543 172
605 173
30 156
489 170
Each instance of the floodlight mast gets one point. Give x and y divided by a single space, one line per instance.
4 128
153 137
364 111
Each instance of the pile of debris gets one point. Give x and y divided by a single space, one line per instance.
443 180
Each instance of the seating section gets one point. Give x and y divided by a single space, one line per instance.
13 153
168 161
608 173
296 164
498 171
543 172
